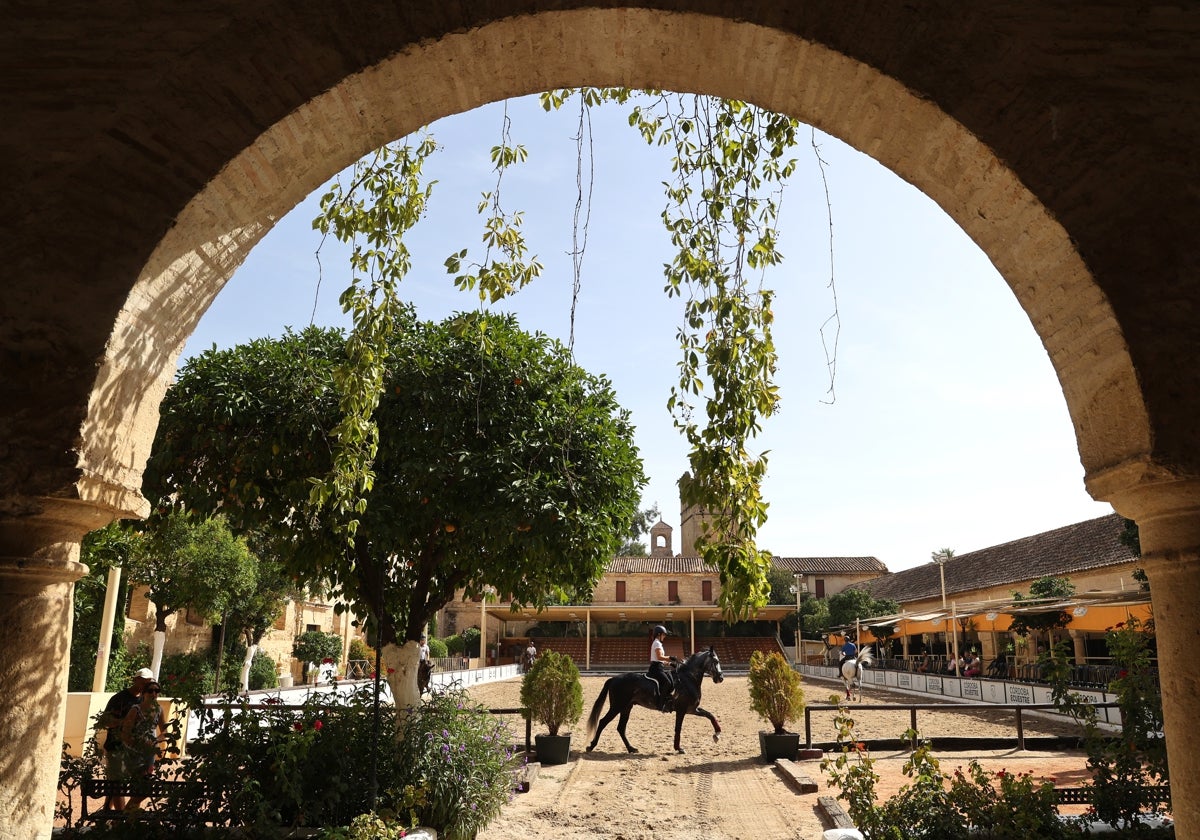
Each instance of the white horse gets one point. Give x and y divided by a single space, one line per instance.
852 671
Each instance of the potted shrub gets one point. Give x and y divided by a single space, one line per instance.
775 694
553 695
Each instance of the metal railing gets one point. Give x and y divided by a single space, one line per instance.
913 708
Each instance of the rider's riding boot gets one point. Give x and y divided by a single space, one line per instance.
665 702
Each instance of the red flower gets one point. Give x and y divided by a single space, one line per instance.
860 746
299 726
1119 624
1000 774
1122 674
391 670
317 725
326 661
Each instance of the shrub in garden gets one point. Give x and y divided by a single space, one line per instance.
1129 772
937 806
437 648
456 766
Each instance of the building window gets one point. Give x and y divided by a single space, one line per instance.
673 591
706 591
820 587
620 591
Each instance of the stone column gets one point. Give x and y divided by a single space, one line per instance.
1079 646
1168 517
39 563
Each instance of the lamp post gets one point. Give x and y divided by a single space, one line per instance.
799 588
940 557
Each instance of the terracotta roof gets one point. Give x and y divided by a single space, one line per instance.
1086 545
694 565
829 565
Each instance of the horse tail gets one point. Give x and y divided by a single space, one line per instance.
865 656
594 717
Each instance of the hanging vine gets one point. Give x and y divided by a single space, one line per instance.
729 166
385 198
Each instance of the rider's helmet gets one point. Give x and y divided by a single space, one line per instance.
660 629
423 637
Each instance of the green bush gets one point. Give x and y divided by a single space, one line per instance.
362 651
315 646
470 638
997 806
281 769
775 692
551 691
437 648
458 769
454 645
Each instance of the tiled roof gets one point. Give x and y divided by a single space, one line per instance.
694 565
1086 545
829 565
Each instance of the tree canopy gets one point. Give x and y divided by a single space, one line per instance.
191 564
499 464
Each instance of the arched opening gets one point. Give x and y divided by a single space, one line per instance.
452 63
843 97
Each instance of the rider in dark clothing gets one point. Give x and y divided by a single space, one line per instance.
849 651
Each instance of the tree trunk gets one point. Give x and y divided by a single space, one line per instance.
160 642
245 677
400 670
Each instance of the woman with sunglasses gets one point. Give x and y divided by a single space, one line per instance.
141 733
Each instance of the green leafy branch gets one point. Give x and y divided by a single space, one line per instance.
386 198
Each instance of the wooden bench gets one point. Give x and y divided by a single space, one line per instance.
154 790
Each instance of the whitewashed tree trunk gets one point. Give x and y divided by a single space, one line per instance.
245 678
400 670
160 642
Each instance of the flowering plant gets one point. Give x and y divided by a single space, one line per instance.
458 766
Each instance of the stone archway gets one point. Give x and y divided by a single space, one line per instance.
904 132
157 189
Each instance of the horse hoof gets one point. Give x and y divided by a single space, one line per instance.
716 738
680 750
633 749
592 747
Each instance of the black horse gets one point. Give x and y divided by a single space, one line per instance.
628 690
424 672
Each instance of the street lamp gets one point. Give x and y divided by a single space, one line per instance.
940 557
799 589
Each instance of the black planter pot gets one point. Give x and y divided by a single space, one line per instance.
775 746
553 749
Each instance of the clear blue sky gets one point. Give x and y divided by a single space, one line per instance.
949 428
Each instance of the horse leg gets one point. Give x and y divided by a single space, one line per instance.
604 721
704 713
621 724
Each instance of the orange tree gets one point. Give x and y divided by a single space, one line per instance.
500 463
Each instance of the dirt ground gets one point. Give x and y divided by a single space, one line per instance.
724 790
